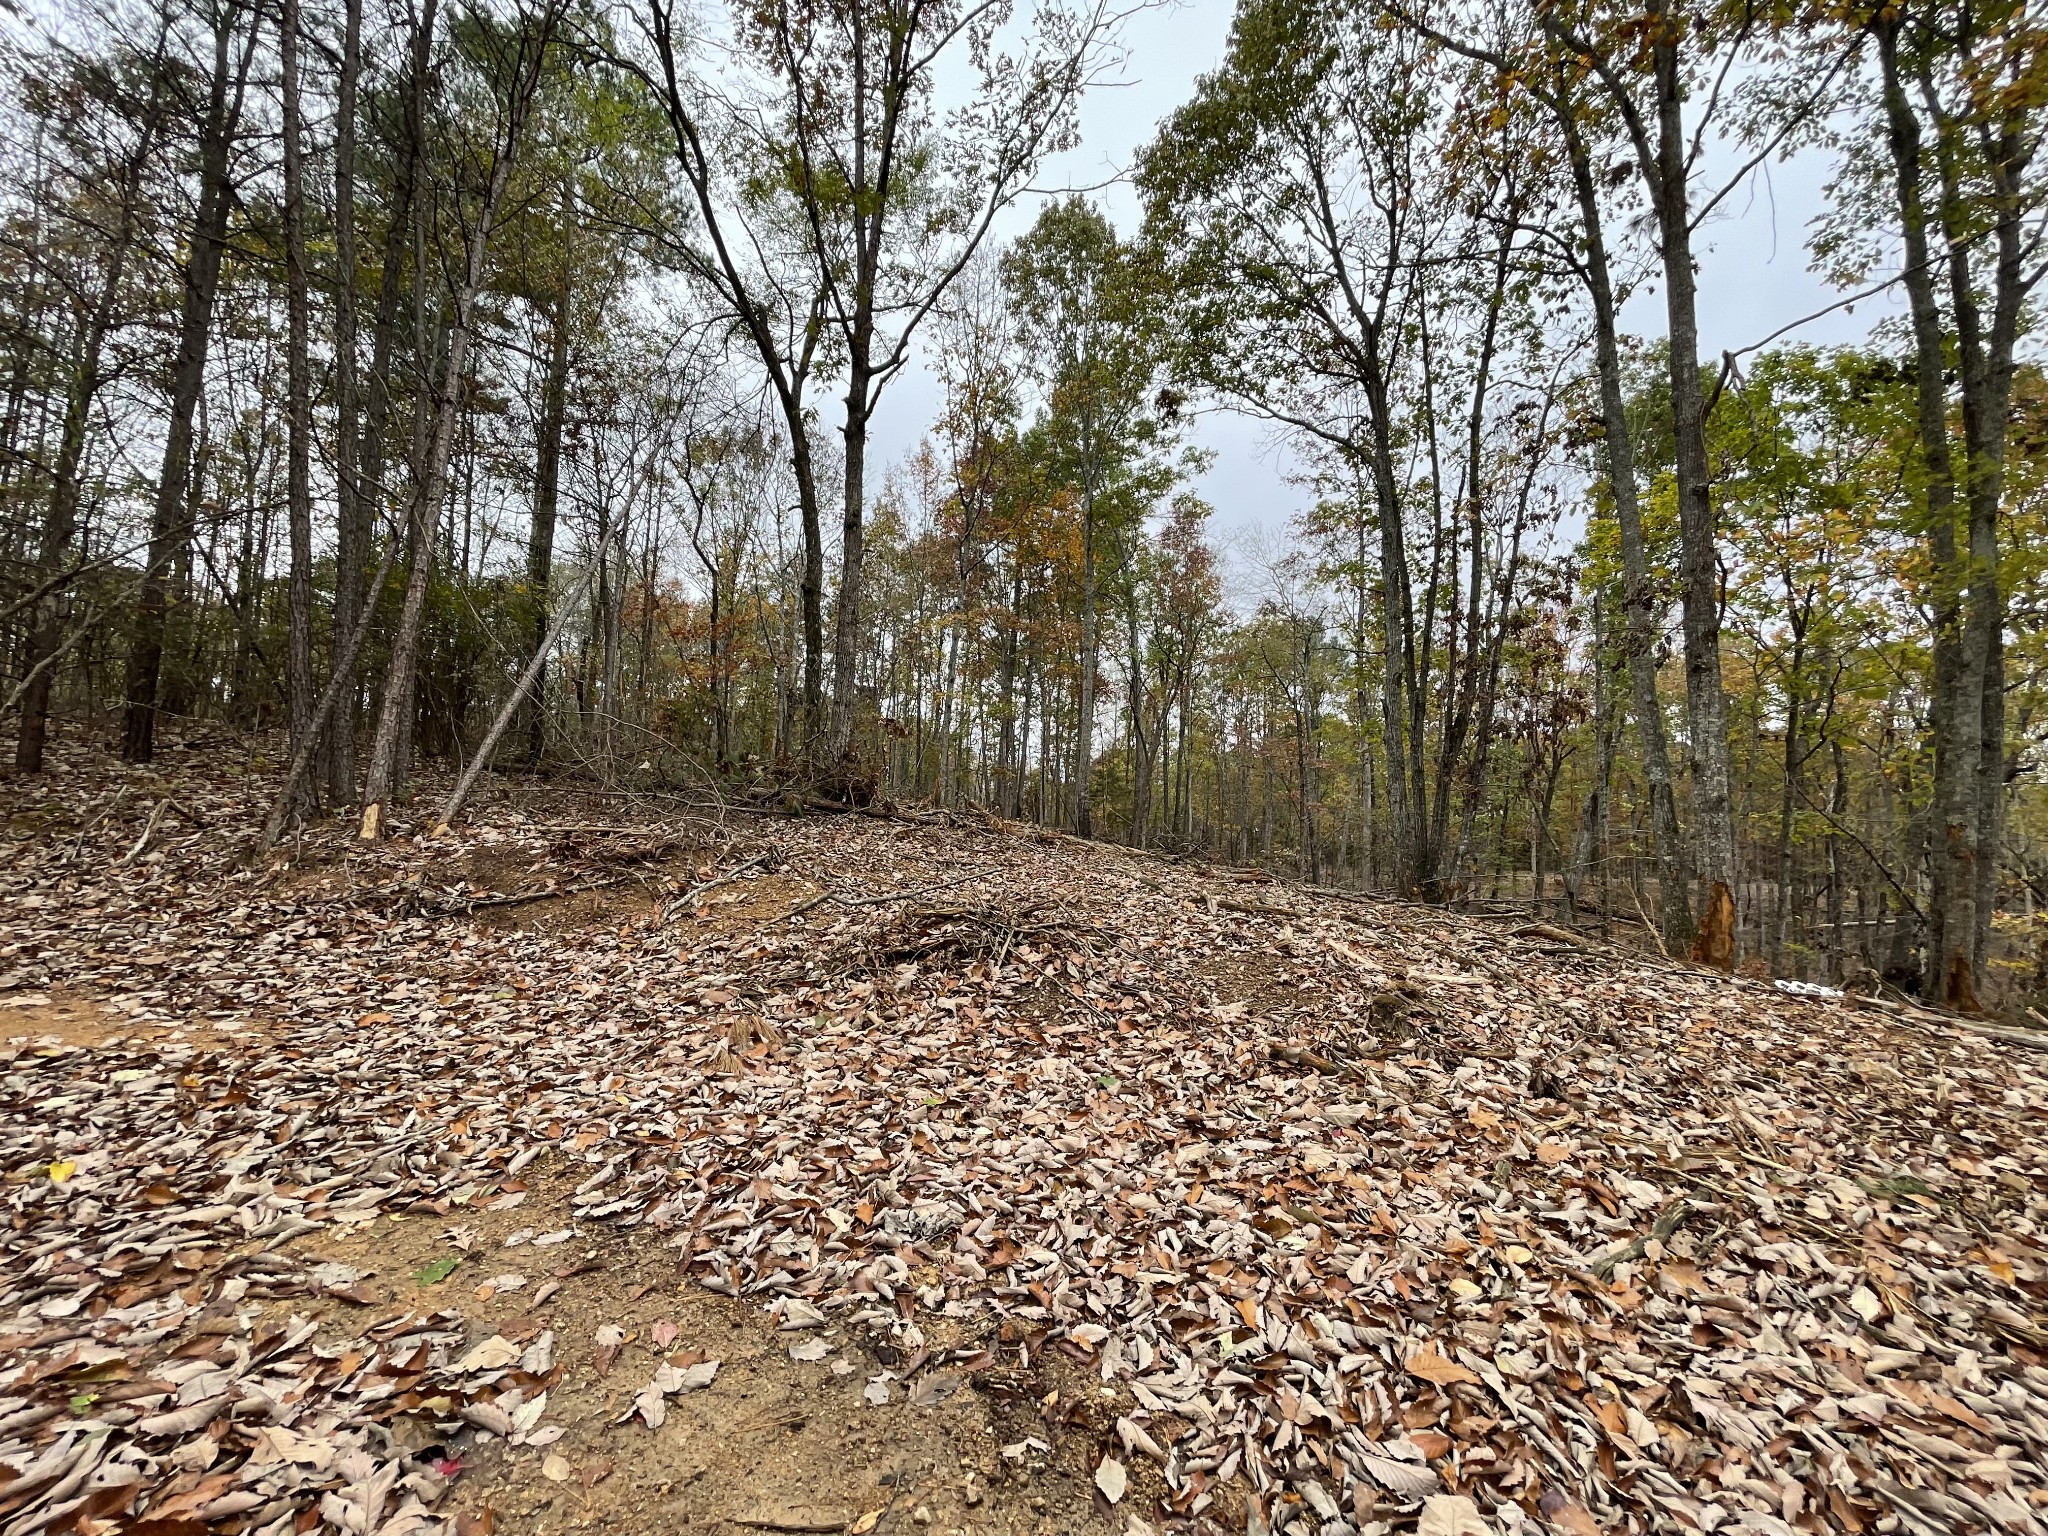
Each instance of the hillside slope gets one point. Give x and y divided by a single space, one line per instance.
837 1172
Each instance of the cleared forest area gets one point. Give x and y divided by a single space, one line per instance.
604 1164
775 768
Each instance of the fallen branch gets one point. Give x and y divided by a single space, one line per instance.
520 693
521 898
1302 1056
1669 1220
891 896
691 897
1551 932
148 831
2031 1039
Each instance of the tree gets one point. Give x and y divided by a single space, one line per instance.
871 199
123 99
1085 316
1337 267
1961 106
219 124
510 61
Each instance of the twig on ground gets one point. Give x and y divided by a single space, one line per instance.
691 897
1669 1220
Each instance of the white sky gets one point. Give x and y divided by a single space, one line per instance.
1754 274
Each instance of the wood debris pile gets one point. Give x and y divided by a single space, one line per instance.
1371 1214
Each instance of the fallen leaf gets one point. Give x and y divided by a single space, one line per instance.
437 1271
1431 1365
611 1338
493 1354
1451 1514
933 1389
1111 1478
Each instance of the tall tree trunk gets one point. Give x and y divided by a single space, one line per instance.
371 458
1463 690
1956 700
1009 765
1143 745
1639 639
44 618
201 280
1405 804
1698 561
2005 141
540 545
429 489
352 505
852 537
1593 817
1788 790
786 366
298 393
179 692
1084 725
810 591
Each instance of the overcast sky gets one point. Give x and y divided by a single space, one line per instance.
1754 275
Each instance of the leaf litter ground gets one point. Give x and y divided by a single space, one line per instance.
611 1166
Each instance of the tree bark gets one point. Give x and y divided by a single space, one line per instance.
352 505
1699 562
201 280
298 394
429 489
540 545
1084 725
852 537
1639 639
44 619
1956 700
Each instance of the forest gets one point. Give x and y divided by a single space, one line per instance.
774 771
492 384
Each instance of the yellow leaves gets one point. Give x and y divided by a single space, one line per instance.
61 1171
2000 1267
1431 1365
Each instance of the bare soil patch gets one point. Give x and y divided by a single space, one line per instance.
67 1018
785 1437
